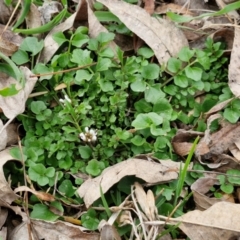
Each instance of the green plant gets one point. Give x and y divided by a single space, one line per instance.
112 107
227 182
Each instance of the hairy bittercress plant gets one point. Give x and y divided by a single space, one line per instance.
112 107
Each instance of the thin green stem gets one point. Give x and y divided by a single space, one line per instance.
171 78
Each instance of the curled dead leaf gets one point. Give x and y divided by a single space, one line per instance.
217 222
161 35
41 195
9 41
234 66
151 172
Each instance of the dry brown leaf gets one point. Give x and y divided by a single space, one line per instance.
181 142
3 216
48 10
9 41
218 107
225 35
12 135
224 138
82 12
161 35
235 150
151 205
200 188
6 193
14 105
3 139
213 146
221 221
141 197
50 46
149 6
95 27
6 12
53 231
3 233
7 196
33 18
41 195
151 172
234 66
108 232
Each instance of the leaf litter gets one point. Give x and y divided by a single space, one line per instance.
165 39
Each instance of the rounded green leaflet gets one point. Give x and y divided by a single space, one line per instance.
194 73
181 80
145 120
186 54
93 167
232 115
174 65
151 71
145 52
66 188
41 211
227 188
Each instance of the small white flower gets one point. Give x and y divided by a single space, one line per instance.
89 135
67 98
94 138
83 137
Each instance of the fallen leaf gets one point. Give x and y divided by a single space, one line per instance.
14 105
48 10
3 233
3 139
6 193
161 35
33 19
225 35
6 12
7 196
108 232
235 150
9 41
213 147
234 66
41 195
141 197
151 205
200 188
50 46
151 172
181 142
53 231
3 217
12 135
149 6
218 107
95 27
221 221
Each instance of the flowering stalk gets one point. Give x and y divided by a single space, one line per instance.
67 102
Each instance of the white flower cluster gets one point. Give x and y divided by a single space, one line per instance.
90 135
66 98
